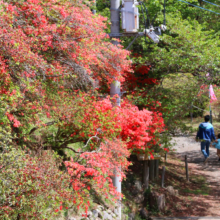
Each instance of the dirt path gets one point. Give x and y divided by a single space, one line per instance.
188 146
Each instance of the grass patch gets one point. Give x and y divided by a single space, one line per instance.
202 186
203 191
198 179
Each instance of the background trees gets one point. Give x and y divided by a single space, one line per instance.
173 71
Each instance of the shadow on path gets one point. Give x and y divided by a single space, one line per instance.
196 157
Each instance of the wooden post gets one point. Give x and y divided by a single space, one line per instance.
146 175
186 166
151 170
156 169
163 175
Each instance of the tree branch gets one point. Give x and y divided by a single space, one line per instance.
47 124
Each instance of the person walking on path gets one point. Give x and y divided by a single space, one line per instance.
205 134
217 146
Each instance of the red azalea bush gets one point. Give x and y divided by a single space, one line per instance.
51 54
94 174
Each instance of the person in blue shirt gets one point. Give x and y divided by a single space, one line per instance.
205 134
217 146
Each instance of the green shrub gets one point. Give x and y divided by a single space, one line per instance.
31 187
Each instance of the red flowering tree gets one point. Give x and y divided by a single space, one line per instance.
139 78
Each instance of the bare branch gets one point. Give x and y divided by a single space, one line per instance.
91 139
77 152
